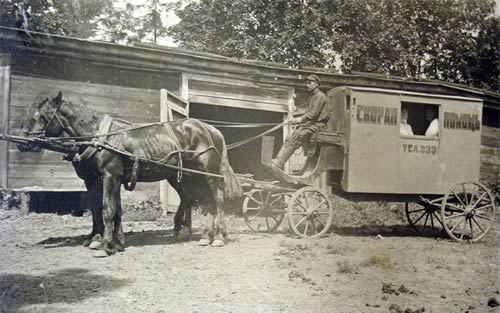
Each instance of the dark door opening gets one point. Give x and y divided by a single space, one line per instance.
246 158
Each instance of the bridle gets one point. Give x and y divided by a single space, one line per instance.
42 133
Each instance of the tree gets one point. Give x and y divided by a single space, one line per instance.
69 18
112 20
449 40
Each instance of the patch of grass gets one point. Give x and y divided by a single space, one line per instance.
344 267
382 260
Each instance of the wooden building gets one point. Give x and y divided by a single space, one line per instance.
128 82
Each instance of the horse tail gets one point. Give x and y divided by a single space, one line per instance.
232 188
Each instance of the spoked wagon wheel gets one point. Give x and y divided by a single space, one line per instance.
264 211
310 212
423 217
468 211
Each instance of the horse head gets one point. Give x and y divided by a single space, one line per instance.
42 120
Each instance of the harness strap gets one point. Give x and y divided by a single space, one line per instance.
133 176
177 149
102 128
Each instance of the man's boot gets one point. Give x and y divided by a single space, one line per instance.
284 154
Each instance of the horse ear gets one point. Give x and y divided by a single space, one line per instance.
40 105
58 99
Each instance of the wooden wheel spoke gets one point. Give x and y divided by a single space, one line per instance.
484 207
471 229
475 222
319 204
255 216
479 199
298 202
418 219
465 194
438 219
255 200
306 228
483 217
305 199
456 207
426 218
319 220
267 223
432 220
458 223
464 225
274 218
455 215
301 221
459 199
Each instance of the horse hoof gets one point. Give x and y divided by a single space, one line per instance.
218 243
95 245
100 254
86 242
203 242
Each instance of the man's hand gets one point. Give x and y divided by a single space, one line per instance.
295 120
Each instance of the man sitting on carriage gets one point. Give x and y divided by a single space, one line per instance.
315 119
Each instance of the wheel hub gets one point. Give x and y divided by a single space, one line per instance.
469 212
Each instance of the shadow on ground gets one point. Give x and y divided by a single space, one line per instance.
390 231
132 239
63 286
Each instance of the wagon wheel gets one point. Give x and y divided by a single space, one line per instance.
468 211
310 212
264 211
422 216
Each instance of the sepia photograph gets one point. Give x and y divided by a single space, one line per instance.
249 156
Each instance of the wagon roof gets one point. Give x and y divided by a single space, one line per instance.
410 93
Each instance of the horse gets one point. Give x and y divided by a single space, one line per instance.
190 154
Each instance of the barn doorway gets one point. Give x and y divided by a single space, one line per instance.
246 158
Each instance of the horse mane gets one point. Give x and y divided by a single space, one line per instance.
86 117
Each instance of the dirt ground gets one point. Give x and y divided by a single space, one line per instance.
376 264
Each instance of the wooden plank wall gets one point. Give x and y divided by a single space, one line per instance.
238 93
47 169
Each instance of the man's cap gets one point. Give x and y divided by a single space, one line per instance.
314 78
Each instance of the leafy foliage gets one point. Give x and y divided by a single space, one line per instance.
70 18
450 40
103 19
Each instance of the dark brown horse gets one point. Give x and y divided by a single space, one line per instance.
187 143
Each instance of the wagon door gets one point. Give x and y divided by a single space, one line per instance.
172 107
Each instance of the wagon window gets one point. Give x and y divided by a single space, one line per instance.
418 117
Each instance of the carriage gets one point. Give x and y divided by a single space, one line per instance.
363 156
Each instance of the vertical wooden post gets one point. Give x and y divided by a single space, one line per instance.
184 88
4 117
164 117
286 117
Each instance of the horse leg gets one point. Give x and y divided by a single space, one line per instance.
111 190
220 223
216 234
179 218
95 201
188 220
118 235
